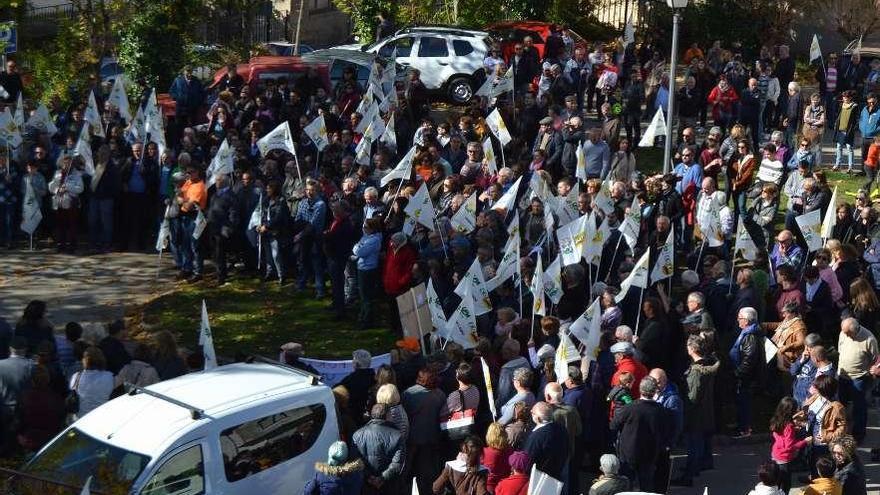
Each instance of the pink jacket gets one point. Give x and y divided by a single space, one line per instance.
786 445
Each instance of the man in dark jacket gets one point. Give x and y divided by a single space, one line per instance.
358 383
699 408
188 94
573 135
381 446
547 445
746 356
140 177
642 435
551 142
223 217
750 110
274 230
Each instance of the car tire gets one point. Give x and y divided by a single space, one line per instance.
460 90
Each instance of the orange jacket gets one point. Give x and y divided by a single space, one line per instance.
873 157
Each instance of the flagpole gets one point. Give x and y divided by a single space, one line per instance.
699 255
613 256
158 263
442 241
590 279
639 313
412 292
520 296
502 153
732 265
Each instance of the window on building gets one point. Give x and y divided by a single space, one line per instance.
260 444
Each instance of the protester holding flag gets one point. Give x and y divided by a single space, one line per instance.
66 186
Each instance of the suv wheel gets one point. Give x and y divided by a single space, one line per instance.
460 90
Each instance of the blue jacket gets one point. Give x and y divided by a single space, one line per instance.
869 122
367 251
671 402
803 371
689 175
187 94
347 479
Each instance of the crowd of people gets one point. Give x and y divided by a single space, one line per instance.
674 351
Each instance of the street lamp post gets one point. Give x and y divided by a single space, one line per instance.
676 6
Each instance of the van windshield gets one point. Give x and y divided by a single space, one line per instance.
75 456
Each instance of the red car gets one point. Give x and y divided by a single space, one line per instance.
509 33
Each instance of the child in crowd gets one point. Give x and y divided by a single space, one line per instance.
785 442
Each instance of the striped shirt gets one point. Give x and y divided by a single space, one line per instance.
831 79
471 400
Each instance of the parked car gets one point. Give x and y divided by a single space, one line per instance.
509 33
259 69
285 48
450 59
238 429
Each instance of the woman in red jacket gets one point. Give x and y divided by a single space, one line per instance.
723 99
496 455
397 272
518 481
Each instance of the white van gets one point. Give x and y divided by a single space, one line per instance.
239 429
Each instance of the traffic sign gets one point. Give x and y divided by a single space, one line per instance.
8 37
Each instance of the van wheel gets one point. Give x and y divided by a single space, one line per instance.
460 90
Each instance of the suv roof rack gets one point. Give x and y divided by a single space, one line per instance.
458 31
278 364
194 412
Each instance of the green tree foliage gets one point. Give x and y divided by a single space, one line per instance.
61 69
363 14
152 41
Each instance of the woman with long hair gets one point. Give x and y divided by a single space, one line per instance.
464 474
166 357
864 304
785 442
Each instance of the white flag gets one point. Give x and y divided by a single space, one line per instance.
200 224
279 138
490 392
811 225
42 121
368 118
572 238
9 132
539 306
31 216
154 125
632 224
596 238
588 329
389 137
566 352
665 265
206 340
420 207
164 235
462 327
541 483
553 280
415 488
317 132
744 243
567 207
507 202
221 164
629 33
656 128
489 154
581 169
84 150
498 127
18 116
603 199
494 87
119 99
92 115
473 285
438 317
364 146
86 490
815 51
830 216
637 278
509 264
403 170
257 215
465 219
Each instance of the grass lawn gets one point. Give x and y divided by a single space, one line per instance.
252 317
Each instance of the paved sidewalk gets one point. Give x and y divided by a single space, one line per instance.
96 288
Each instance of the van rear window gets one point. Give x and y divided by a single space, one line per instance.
260 444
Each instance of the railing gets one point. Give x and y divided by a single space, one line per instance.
14 482
616 12
50 12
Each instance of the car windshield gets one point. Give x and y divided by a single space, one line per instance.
75 456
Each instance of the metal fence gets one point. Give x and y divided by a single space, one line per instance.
616 12
216 29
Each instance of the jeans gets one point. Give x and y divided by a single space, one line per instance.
699 453
274 256
849 154
855 391
136 211
367 287
66 228
312 262
351 281
743 406
739 200
221 245
192 256
7 212
101 223
632 122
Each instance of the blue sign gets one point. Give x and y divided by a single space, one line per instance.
8 37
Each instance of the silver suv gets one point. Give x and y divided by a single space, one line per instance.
450 59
